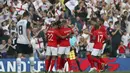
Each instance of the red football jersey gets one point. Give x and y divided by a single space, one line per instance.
64 31
121 49
100 37
52 35
103 28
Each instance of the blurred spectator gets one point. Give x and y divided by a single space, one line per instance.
11 49
116 39
121 50
3 49
80 10
128 45
82 45
125 37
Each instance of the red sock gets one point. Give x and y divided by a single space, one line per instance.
63 61
69 62
52 64
101 59
96 60
58 63
47 64
99 66
90 60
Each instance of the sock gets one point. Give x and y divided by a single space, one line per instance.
90 60
63 61
101 59
31 59
104 62
18 62
99 66
69 62
52 65
96 60
47 64
58 63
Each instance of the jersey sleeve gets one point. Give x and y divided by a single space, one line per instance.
28 25
94 34
105 36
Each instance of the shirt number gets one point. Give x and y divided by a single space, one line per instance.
100 37
50 36
20 30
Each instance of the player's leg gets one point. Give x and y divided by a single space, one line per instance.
95 58
18 62
61 51
31 59
48 58
29 51
54 54
19 55
67 51
89 56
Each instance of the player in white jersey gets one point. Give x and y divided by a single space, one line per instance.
23 42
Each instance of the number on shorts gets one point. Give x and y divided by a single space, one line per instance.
20 30
100 37
50 36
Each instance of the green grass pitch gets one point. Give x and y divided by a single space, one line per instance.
71 72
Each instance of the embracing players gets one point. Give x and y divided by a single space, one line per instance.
52 45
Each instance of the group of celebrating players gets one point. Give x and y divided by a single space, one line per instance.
58 44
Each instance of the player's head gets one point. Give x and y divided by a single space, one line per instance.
64 23
55 24
96 26
25 14
101 21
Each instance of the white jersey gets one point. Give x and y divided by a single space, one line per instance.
22 32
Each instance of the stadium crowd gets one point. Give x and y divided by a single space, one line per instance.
80 15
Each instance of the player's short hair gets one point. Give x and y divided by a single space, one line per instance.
56 23
26 13
63 22
101 19
96 26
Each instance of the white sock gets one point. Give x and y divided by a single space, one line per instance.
31 64
18 63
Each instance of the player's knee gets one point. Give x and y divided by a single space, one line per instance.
19 55
31 60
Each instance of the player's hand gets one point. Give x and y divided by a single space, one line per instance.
30 45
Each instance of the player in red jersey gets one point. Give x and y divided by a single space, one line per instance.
99 38
52 38
64 44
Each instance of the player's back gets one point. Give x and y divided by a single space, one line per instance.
22 32
65 31
52 35
100 37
